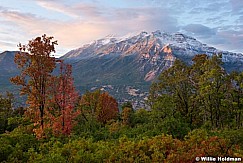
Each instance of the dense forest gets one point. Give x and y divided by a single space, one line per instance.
194 111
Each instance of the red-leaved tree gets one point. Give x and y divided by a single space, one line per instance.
107 108
62 103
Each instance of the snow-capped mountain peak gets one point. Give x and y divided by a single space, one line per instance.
151 43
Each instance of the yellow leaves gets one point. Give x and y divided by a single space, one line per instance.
114 126
126 115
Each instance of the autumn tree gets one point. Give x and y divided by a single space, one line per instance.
36 65
88 104
63 100
101 106
107 108
126 115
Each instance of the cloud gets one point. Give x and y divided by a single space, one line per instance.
29 23
58 7
74 23
199 30
237 6
96 23
4 43
78 10
144 18
231 39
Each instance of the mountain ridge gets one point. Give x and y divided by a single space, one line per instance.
157 50
132 63
126 66
180 40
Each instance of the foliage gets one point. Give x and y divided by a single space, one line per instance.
10 116
61 105
51 99
100 106
173 92
6 111
126 115
203 94
160 148
36 66
196 110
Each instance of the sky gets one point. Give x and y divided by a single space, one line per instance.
73 23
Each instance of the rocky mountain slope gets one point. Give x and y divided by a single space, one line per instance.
126 66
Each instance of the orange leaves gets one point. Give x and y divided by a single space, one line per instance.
21 59
199 144
60 111
102 106
41 46
36 67
107 108
18 80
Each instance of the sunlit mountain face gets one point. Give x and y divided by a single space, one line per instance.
126 66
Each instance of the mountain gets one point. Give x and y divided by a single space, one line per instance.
8 69
126 66
7 62
150 52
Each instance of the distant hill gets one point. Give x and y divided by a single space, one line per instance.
8 69
126 66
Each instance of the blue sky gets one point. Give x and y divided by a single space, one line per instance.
218 23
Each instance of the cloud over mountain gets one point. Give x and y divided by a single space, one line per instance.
76 22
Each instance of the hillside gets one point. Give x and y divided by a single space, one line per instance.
126 66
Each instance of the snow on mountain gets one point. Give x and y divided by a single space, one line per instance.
180 44
129 64
139 57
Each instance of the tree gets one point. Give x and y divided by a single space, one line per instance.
212 90
126 115
88 104
36 65
63 100
100 106
6 110
196 71
235 97
171 93
127 105
107 108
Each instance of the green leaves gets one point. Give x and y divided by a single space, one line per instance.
200 93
